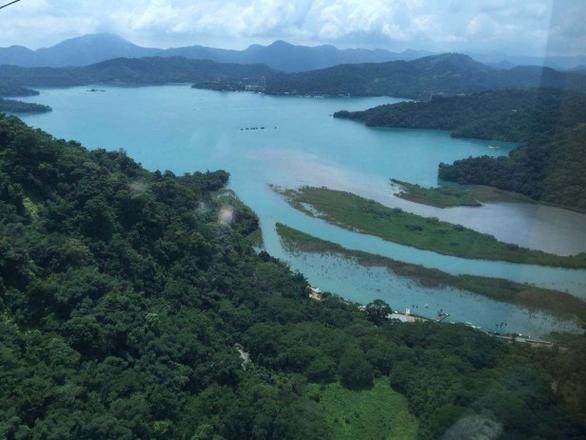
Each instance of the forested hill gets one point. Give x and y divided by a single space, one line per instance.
550 171
11 90
508 115
448 74
13 106
549 124
133 71
123 298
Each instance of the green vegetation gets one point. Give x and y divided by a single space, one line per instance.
376 413
256 239
133 71
461 195
550 125
506 115
546 167
367 216
123 296
12 106
550 172
10 90
445 74
560 304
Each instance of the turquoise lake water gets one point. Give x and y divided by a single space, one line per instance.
184 130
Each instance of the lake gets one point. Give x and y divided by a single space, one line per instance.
184 130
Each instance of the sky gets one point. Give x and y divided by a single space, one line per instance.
511 27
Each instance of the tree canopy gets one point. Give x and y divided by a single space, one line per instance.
548 124
551 171
515 115
124 304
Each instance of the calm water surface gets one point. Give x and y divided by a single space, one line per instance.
184 130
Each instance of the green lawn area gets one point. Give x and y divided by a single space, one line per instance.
558 303
370 217
450 196
379 413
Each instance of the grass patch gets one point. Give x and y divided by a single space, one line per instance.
450 196
369 217
378 413
558 303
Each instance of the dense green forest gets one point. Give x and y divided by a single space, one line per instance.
551 172
507 115
122 299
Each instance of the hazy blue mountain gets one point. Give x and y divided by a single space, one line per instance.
280 55
287 57
554 62
446 74
8 89
501 65
150 70
89 49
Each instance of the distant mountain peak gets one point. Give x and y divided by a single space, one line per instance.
98 40
280 43
95 38
453 56
99 35
279 55
457 61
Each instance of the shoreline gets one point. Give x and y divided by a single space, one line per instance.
560 304
366 216
443 196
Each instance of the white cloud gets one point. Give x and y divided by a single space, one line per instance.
496 25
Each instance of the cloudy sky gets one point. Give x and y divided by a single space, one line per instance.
531 27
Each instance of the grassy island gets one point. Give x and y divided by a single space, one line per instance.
558 303
369 217
450 196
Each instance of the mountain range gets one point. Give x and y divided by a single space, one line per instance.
280 55
576 62
133 71
446 74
